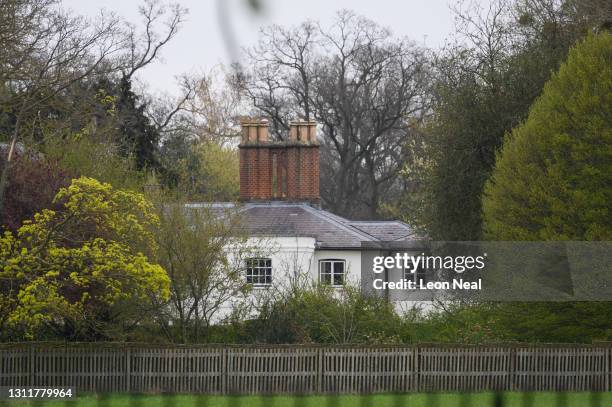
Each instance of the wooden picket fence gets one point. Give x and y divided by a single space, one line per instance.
246 369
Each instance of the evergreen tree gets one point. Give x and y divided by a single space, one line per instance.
552 182
552 178
484 87
138 137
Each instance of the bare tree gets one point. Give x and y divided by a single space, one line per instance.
197 145
216 106
144 48
208 110
171 113
204 254
45 51
362 86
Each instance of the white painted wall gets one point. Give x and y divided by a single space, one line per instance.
352 265
297 256
290 256
293 256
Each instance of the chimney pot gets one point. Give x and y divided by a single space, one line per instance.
303 131
254 130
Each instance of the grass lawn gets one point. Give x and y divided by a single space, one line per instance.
378 400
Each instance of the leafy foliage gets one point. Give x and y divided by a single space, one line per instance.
460 323
483 87
552 182
206 276
137 136
214 173
81 153
81 270
580 322
35 182
552 178
321 314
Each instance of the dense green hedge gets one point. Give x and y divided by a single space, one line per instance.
553 177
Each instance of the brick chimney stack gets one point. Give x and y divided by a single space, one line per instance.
286 170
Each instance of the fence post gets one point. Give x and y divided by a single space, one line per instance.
608 372
320 355
30 366
65 358
512 372
128 369
224 370
417 368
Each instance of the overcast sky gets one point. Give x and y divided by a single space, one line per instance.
200 44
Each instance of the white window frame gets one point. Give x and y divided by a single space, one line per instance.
333 271
259 271
421 273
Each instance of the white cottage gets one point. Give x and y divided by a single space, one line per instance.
279 190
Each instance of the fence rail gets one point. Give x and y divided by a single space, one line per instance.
307 369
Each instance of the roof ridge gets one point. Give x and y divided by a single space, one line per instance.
413 232
403 237
363 231
334 216
410 230
375 221
348 228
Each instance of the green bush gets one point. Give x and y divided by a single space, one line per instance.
321 314
99 160
552 178
560 322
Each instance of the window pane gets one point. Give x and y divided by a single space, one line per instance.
332 272
421 275
259 271
268 276
326 278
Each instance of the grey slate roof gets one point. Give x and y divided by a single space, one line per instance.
279 218
385 231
